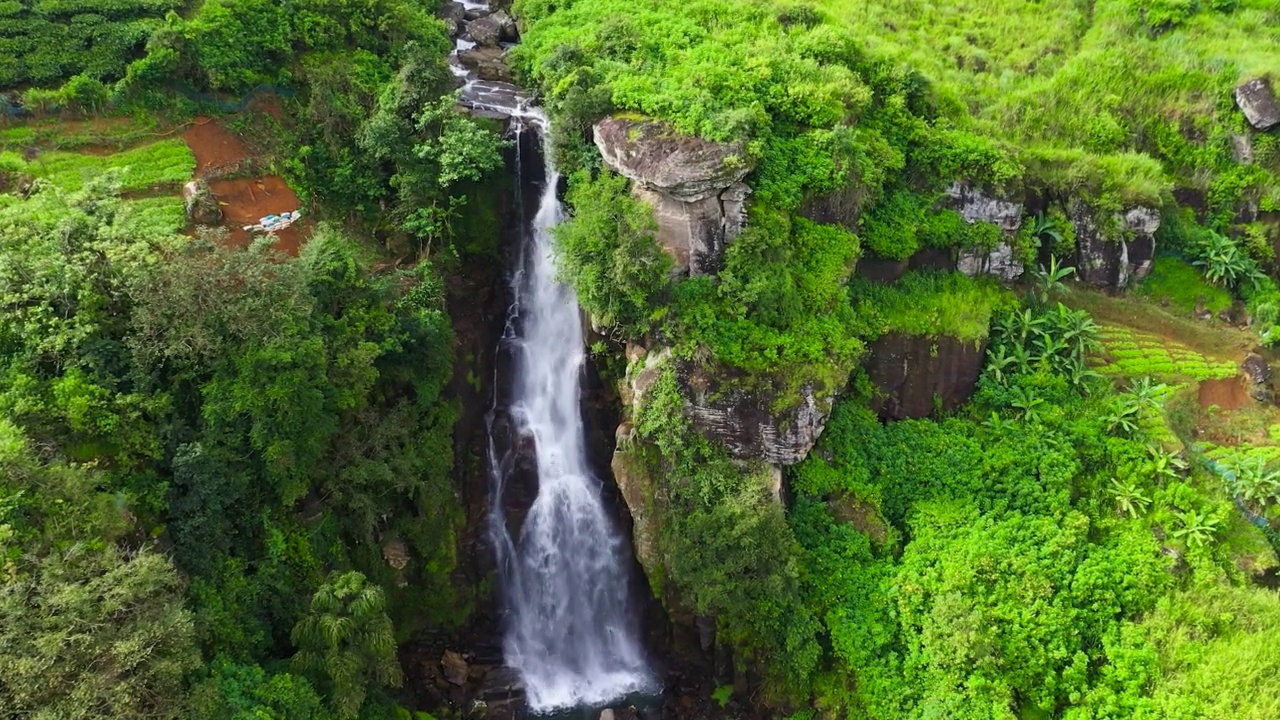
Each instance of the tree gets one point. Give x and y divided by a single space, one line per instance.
345 641
92 632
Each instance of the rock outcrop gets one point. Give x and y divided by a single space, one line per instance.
916 375
747 424
1109 257
694 186
1257 100
1002 261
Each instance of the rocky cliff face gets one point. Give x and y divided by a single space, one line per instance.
1002 261
916 375
694 187
1110 255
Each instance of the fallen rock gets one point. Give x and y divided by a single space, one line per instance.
1258 101
454 11
490 30
454 668
202 207
488 63
606 714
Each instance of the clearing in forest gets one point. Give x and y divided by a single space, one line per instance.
223 160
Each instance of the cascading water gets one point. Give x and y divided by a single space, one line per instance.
569 631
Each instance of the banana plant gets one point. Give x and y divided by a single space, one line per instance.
1027 403
1198 528
1124 415
1165 465
1129 498
1047 282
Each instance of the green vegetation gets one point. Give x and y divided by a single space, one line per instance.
933 304
236 467
1182 286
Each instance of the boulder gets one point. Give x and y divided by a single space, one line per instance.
1111 256
492 29
454 11
487 63
638 489
202 207
693 185
916 375
606 714
1257 100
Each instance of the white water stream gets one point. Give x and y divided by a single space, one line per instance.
569 630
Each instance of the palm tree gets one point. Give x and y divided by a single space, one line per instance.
346 640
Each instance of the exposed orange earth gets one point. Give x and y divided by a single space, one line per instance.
244 200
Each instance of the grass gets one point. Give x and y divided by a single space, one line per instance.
932 304
1182 285
158 166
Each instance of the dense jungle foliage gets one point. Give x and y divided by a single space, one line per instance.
226 475
226 482
1057 548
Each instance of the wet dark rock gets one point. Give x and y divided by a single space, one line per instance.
492 99
1257 100
916 375
487 63
454 668
882 270
454 11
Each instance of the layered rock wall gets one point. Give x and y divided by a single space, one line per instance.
1122 250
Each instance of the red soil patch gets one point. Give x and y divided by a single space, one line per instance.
244 200
247 200
1226 393
214 147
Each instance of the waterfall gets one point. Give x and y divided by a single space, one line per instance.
569 631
